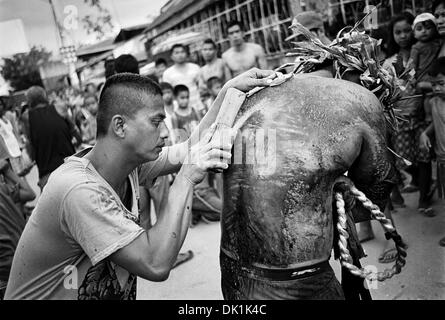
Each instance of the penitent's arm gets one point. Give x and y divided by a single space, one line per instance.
373 172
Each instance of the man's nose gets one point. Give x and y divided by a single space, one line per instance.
164 131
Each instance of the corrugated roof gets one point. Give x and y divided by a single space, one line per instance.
178 8
170 12
102 46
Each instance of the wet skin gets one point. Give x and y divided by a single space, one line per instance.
280 216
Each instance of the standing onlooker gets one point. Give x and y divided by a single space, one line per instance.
207 204
49 133
186 116
400 41
160 67
214 86
425 51
170 105
404 142
126 63
213 67
12 223
185 73
439 13
14 193
242 55
437 127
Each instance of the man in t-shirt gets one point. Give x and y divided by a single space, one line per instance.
185 73
83 240
242 55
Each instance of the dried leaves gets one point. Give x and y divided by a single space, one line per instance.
351 51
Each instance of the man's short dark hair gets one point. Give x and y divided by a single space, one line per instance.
160 61
178 45
210 41
235 23
211 82
438 67
165 86
436 4
122 94
180 88
126 63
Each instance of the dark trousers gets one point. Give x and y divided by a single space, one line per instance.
236 284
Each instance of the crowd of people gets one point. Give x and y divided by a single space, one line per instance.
52 127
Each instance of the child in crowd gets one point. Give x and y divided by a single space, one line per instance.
425 50
206 202
213 86
437 128
186 116
170 105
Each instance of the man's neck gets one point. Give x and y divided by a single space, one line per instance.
111 162
184 111
169 108
212 61
240 47
180 65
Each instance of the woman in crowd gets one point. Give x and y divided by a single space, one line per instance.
439 13
400 40
405 141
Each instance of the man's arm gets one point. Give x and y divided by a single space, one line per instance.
244 82
152 254
227 72
373 173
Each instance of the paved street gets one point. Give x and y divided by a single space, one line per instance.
422 278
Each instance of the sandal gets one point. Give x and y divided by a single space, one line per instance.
388 256
409 188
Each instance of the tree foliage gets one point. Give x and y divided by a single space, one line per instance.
22 69
99 23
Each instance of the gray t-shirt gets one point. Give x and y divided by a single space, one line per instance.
78 222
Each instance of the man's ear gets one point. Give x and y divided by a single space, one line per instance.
118 125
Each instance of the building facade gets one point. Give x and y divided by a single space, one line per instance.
265 22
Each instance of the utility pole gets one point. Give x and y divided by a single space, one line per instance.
68 52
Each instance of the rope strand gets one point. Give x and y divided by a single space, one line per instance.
390 233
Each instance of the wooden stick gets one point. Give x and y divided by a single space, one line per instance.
233 100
